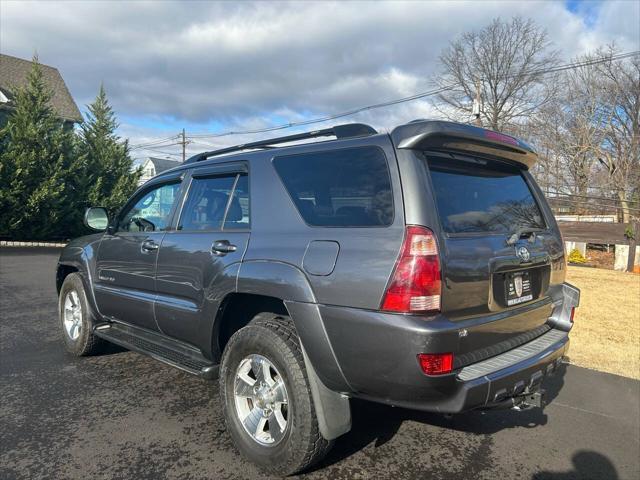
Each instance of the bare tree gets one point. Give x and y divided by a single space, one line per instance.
620 151
590 133
506 61
570 130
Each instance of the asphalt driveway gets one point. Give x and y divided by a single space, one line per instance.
122 415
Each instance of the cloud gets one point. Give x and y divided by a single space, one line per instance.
230 64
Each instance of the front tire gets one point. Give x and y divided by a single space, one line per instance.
75 318
268 408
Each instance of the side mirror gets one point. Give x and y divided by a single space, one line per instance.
96 218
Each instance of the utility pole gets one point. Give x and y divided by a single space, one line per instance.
184 146
477 104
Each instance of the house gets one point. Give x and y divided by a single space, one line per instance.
153 166
13 74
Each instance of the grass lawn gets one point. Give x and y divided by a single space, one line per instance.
606 334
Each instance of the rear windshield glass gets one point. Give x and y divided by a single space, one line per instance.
339 188
484 197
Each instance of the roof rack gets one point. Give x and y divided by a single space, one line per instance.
348 130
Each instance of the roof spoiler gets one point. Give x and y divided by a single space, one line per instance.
458 137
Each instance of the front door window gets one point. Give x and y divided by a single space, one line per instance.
151 211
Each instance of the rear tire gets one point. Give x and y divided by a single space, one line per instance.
75 319
270 340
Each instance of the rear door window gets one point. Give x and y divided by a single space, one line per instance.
482 197
339 188
238 213
216 203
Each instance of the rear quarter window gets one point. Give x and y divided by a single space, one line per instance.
339 188
488 197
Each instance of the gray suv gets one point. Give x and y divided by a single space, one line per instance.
421 268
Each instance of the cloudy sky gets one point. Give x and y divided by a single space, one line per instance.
214 67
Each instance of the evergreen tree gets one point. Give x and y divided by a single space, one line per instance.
36 162
109 177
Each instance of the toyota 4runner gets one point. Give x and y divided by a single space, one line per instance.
421 268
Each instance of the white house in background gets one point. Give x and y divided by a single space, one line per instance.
153 166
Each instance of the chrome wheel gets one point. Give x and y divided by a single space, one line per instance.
261 400
72 315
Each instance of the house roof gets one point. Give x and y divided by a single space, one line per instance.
13 73
163 164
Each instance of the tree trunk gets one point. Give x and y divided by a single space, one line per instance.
624 203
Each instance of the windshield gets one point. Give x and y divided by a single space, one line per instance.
483 197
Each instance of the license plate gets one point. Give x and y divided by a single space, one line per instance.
518 288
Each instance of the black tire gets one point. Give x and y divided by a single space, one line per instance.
86 342
274 337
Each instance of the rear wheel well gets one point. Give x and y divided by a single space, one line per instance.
237 310
61 273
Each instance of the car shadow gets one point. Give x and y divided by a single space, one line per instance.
380 423
586 465
112 349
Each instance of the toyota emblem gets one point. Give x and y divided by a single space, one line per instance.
523 254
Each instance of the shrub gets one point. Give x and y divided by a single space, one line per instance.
576 256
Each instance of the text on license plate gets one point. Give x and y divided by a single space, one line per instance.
518 288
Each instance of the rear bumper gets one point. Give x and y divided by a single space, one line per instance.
377 354
486 383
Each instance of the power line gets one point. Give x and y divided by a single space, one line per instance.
207 144
616 200
417 96
354 111
159 146
549 186
328 117
595 205
173 154
152 142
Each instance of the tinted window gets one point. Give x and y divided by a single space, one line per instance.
151 211
238 214
339 188
208 200
487 197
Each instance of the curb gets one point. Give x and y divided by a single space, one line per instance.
9 243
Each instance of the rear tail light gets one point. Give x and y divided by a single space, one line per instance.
436 363
415 286
573 312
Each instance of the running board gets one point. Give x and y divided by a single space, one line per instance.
159 347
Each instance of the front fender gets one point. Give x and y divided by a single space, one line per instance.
80 255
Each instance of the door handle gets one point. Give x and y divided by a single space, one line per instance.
222 247
149 246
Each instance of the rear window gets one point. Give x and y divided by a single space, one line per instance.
484 197
339 188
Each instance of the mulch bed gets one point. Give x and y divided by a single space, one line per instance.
600 258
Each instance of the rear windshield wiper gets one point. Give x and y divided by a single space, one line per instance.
524 231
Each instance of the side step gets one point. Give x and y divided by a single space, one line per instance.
161 348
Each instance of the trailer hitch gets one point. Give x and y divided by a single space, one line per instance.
524 401
530 400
